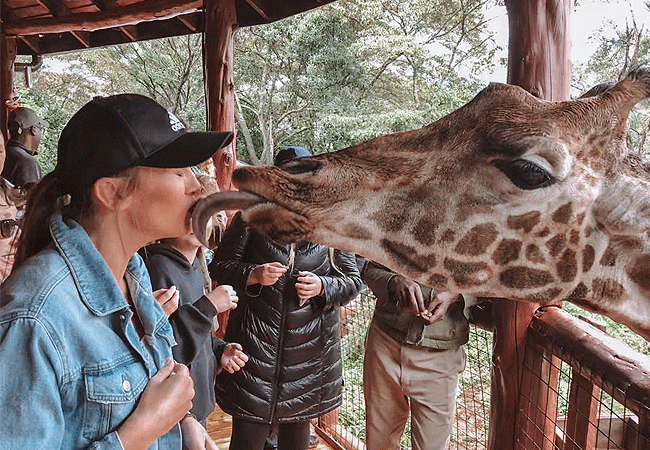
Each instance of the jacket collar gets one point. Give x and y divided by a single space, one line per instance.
94 280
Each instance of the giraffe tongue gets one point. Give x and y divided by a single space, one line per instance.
206 207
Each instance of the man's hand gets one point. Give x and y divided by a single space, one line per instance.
309 285
267 274
407 293
195 437
439 306
167 299
223 298
233 358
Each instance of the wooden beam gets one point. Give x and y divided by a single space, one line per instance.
129 15
106 5
32 42
57 9
131 31
83 37
186 20
262 9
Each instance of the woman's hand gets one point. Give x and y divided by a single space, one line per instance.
223 298
163 403
309 285
167 299
233 358
267 274
195 437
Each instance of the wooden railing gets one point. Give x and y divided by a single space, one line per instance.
600 372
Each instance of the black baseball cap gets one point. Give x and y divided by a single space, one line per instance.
286 154
110 134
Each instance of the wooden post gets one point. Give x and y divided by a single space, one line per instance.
7 57
539 47
539 61
511 320
220 25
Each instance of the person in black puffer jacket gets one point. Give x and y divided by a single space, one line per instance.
287 322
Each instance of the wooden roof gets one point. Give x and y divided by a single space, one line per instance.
55 26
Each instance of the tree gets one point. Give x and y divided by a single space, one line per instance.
354 70
619 50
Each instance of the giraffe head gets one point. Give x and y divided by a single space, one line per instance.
509 196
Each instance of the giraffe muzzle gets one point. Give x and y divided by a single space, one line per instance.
220 201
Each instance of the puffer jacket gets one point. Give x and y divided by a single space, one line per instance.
294 367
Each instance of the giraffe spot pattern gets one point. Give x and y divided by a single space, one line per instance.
424 231
578 295
477 240
544 232
404 255
392 217
607 289
609 257
437 280
533 254
639 272
448 236
506 252
357 231
525 277
562 214
588 231
525 222
574 237
567 266
580 218
556 244
468 274
546 296
588 258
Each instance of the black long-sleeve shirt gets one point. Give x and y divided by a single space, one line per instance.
192 321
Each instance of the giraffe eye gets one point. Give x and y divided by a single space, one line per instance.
525 174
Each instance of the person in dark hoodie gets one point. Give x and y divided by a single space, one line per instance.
177 277
288 322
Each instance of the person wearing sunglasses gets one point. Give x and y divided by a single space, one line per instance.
11 201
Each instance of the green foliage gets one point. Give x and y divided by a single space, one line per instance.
354 70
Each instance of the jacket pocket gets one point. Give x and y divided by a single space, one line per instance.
111 395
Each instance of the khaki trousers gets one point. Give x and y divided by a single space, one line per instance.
398 378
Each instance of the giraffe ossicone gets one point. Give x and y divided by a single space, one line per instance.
509 196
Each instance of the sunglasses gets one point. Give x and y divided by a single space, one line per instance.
8 227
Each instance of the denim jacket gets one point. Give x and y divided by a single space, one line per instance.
72 366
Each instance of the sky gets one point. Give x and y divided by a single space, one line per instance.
586 18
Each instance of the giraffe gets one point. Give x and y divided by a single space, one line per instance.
509 196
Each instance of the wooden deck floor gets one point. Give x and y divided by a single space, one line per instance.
220 423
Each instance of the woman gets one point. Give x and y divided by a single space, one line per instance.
86 350
11 199
287 321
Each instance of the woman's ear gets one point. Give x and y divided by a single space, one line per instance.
108 192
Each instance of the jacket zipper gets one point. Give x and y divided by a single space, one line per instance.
283 319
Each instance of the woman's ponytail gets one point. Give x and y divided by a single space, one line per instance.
42 202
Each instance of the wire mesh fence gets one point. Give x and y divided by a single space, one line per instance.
347 425
579 396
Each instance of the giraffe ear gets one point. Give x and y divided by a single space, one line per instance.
623 207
